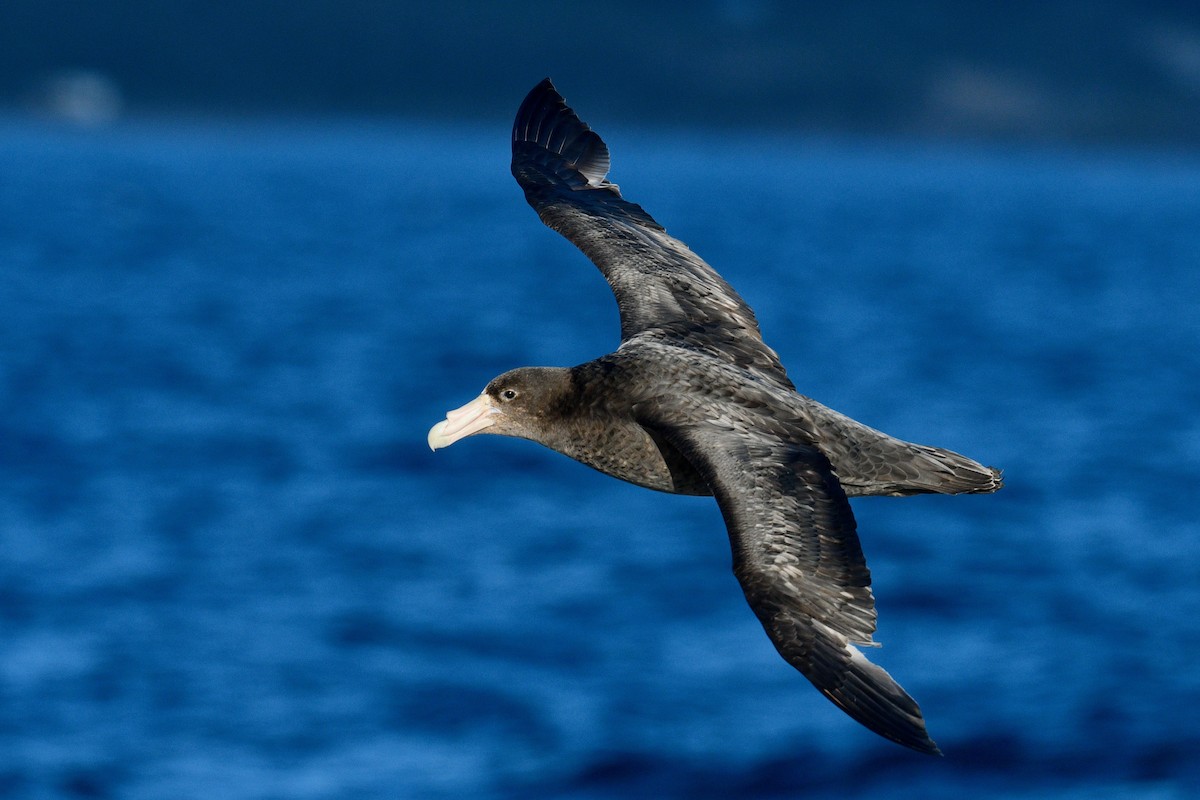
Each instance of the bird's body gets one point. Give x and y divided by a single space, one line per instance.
694 402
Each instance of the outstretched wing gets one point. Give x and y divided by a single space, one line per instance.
797 556
663 289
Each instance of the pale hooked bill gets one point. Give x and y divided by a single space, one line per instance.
462 422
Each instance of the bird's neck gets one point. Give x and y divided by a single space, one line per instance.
598 431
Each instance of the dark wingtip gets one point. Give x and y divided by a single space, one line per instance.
872 697
539 95
546 123
862 689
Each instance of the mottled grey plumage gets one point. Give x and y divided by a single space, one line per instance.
694 402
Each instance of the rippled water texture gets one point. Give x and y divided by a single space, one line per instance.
230 567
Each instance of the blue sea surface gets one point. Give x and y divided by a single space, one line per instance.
230 567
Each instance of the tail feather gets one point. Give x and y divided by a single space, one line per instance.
869 462
946 472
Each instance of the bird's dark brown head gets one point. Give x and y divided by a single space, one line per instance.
524 402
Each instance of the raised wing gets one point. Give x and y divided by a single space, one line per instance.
663 289
797 556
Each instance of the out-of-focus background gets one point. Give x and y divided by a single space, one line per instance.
1118 71
250 252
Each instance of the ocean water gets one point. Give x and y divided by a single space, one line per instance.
230 566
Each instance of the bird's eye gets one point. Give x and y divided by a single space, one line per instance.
508 394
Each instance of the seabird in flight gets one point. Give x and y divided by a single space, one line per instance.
694 402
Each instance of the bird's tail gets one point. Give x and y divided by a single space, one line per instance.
946 472
869 462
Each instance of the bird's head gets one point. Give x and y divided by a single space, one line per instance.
521 403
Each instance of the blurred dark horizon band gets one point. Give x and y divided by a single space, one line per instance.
1114 72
